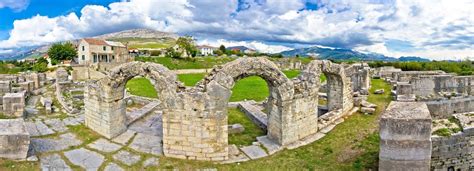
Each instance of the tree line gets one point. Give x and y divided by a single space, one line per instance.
465 67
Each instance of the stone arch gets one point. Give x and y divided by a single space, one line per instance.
104 104
339 85
280 87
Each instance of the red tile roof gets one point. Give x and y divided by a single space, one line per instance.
96 41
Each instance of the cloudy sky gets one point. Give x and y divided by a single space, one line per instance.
437 29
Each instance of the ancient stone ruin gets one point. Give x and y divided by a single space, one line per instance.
435 133
195 119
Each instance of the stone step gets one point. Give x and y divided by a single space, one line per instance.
256 115
137 114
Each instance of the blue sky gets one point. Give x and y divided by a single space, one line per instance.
50 8
436 29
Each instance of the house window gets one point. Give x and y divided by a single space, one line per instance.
83 48
104 48
95 58
112 48
113 57
83 57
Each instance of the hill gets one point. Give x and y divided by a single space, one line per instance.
135 38
142 38
413 58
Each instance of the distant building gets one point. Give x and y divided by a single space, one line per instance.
205 50
92 51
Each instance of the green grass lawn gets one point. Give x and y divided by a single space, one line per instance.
141 87
249 88
191 79
351 145
196 63
250 133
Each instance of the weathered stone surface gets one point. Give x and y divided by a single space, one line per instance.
55 144
53 162
365 103
147 144
38 128
150 124
127 158
236 129
56 125
327 129
124 137
87 159
14 139
152 161
405 137
269 144
379 91
104 146
367 110
113 167
254 152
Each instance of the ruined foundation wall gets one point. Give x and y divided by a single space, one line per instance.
445 108
455 151
428 85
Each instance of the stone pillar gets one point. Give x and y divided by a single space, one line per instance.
105 110
196 128
405 137
299 119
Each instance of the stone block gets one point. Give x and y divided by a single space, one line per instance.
405 137
367 110
14 139
236 129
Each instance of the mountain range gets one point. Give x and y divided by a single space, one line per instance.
320 52
146 38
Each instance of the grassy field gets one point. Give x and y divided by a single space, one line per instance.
141 87
195 63
5 69
250 88
250 133
351 145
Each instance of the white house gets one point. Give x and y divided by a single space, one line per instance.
206 50
92 51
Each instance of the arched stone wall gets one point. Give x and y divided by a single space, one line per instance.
195 119
104 104
339 85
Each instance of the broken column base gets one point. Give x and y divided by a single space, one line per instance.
14 139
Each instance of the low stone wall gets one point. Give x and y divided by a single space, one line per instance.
455 152
85 73
405 76
427 85
445 108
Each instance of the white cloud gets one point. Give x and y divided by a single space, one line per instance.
5 51
433 27
16 5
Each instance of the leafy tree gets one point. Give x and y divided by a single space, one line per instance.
171 53
187 43
218 52
41 65
222 48
62 51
